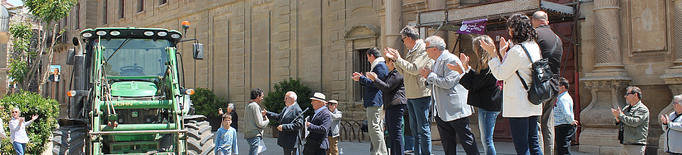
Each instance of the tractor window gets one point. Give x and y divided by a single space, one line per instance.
137 57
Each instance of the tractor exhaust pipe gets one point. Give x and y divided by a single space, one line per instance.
78 80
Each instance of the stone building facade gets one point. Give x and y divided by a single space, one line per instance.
257 43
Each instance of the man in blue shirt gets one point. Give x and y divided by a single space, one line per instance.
564 122
373 101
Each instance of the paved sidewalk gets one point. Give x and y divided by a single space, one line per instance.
360 148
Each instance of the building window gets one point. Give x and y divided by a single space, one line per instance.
361 65
140 5
77 16
104 11
163 2
121 9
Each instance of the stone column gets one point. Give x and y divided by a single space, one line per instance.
673 75
394 23
678 33
607 36
607 83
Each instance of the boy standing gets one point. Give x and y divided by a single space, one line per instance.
225 140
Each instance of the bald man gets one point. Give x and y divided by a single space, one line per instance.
551 47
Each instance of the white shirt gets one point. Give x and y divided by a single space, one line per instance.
18 133
319 110
286 111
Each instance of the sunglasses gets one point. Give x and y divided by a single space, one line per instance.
15 112
630 93
403 39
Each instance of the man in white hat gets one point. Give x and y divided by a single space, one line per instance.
316 142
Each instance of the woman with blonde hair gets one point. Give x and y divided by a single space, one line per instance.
482 88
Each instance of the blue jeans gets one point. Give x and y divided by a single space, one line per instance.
407 139
524 132
418 110
486 124
253 144
19 147
409 142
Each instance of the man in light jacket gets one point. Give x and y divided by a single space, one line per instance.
333 135
633 121
449 98
418 95
672 125
254 121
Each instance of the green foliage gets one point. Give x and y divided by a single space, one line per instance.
274 101
50 10
206 103
40 130
21 34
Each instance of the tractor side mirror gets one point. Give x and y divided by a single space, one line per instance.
198 50
70 56
75 41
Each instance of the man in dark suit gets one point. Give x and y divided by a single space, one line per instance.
551 47
373 100
288 130
316 141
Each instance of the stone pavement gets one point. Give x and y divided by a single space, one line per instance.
361 148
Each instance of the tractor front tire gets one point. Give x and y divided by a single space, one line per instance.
199 137
69 140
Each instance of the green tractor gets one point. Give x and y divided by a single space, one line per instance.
128 96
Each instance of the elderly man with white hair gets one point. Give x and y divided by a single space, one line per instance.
289 127
449 98
235 117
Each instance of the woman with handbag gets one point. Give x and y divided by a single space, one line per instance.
514 65
482 91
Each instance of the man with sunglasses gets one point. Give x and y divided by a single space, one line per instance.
418 95
633 121
17 128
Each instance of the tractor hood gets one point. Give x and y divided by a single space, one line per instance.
133 89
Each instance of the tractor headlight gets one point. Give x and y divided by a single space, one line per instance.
162 34
87 35
101 33
115 33
175 36
148 33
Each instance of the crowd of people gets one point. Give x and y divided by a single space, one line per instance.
430 84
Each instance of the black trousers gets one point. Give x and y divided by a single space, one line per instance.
289 151
394 122
457 128
564 135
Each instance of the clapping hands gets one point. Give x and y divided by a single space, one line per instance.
356 76
424 72
371 75
392 53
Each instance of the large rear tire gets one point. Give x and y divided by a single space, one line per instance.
69 140
199 137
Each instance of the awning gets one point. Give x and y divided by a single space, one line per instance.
495 12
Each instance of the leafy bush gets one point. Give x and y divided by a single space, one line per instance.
206 103
40 130
274 101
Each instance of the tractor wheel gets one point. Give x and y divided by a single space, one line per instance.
199 137
69 140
